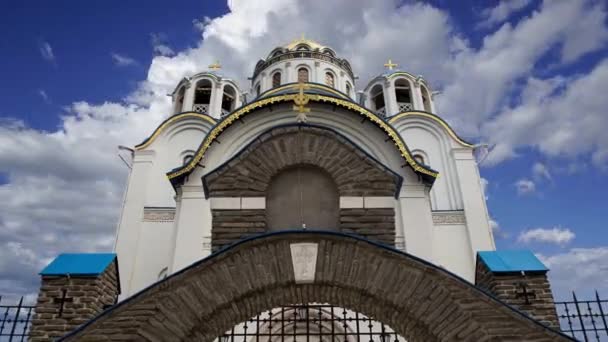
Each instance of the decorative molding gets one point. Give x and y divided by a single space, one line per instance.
449 217
154 214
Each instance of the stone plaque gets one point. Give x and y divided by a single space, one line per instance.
304 259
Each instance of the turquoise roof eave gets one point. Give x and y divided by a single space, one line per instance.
79 264
511 261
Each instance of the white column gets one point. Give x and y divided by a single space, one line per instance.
390 99
417 96
475 210
188 98
415 209
128 235
193 224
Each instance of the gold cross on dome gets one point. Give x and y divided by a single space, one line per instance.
390 65
215 66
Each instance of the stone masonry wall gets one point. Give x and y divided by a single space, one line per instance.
508 288
376 224
82 297
230 226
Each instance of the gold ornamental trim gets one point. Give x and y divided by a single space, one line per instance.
236 115
437 119
168 122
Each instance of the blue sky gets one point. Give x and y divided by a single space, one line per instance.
526 77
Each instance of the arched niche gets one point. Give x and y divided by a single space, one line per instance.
302 196
202 96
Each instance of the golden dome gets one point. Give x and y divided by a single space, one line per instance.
311 43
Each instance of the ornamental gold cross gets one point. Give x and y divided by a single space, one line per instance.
390 65
300 101
215 66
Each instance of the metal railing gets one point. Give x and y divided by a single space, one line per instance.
585 320
15 320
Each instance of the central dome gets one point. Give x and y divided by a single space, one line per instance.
304 41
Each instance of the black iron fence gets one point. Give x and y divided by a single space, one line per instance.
15 320
585 320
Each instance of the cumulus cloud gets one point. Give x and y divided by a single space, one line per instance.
579 269
47 52
122 60
541 172
160 46
79 180
556 235
504 9
525 186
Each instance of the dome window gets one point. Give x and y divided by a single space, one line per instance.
329 79
302 75
187 159
228 100
257 90
202 97
377 97
419 159
348 89
403 94
179 100
276 79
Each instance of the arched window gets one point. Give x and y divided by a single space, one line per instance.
276 79
426 99
419 158
329 79
202 96
179 101
257 90
187 159
302 75
403 94
303 196
348 89
228 100
377 98
163 273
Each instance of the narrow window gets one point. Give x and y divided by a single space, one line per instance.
348 89
419 158
257 90
403 95
329 79
377 97
202 96
228 100
276 79
302 75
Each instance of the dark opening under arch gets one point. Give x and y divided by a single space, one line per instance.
302 196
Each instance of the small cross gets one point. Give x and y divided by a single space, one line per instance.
390 65
62 301
525 292
215 66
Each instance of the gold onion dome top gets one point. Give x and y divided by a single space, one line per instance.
304 41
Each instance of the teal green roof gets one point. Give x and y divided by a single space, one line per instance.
511 261
79 264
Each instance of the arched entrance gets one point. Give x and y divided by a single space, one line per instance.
420 301
302 196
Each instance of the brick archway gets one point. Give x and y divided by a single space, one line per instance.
419 300
250 171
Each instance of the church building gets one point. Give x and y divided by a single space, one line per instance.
314 196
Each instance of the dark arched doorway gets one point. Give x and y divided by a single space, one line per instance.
302 196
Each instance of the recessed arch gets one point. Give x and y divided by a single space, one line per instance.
170 121
401 116
419 300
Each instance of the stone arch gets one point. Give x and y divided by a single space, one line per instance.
249 172
419 300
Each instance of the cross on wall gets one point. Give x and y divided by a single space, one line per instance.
525 292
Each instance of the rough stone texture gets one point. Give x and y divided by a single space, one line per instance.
508 288
374 224
86 298
230 226
249 174
420 301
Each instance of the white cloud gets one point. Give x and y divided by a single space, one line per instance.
45 97
484 187
541 172
556 235
525 186
122 60
159 45
504 9
580 269
47 52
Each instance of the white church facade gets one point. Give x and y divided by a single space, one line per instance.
304 148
